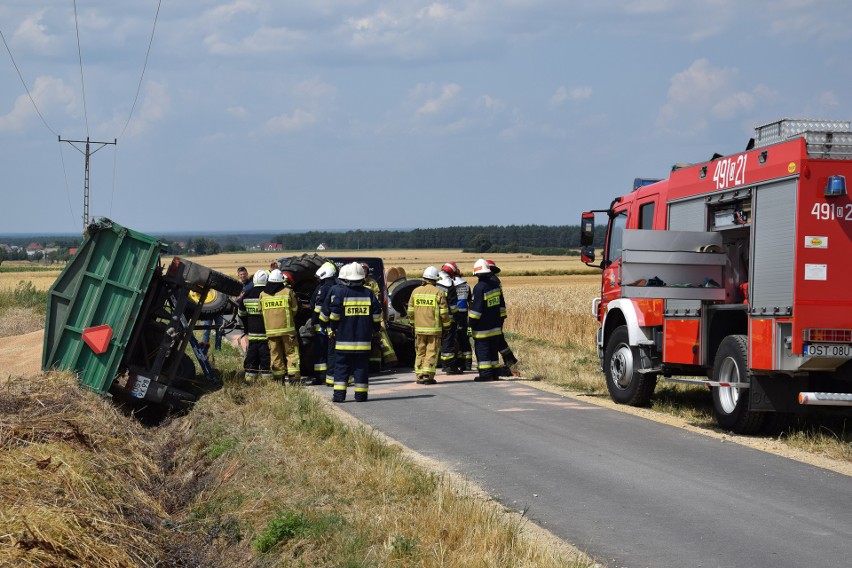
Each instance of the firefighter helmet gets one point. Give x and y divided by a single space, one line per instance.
327 270
260 278
352 274
445 280
451 268
288 278
275 277
480 267
366 268
493 266
431 273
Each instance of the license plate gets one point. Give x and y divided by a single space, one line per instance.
140 388
824 350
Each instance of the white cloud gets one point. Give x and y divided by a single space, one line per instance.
449 92
828 98
238 112
298 120
490 103
702 93
33 34
47 92
575 94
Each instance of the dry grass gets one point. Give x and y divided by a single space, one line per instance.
79 482
254 476
41 279
19 321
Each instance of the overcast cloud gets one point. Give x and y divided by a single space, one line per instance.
269 115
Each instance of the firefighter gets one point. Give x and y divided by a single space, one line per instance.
487 310
382 354
450 361
376 350
509 359
463 350
430 315
354 316
279 306
327 277
256 362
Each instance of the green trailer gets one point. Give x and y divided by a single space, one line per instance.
122 320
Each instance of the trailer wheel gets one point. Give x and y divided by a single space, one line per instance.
625 384
730 404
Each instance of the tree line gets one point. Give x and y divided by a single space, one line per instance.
541 239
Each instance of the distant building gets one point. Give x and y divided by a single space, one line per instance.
273 247
322 247
6 248
33 248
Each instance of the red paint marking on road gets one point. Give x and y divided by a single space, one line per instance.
515 409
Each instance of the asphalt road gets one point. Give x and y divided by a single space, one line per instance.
629 491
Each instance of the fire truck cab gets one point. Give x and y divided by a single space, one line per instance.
738 271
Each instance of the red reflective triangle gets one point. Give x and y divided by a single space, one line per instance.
98 337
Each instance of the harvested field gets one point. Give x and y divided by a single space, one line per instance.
414 261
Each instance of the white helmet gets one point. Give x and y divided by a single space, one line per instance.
352 273
431 273
276 277
481 267
445 280
327 270
260 278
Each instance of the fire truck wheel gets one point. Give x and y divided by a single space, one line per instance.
625 384
730 404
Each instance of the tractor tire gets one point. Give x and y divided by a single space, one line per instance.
215 304
625 383
730 404
304 269
202 276
399 293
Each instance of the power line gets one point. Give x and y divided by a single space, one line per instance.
144 67
67 189
80 58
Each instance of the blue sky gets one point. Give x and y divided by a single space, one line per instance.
273 115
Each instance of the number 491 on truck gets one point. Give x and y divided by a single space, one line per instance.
735 274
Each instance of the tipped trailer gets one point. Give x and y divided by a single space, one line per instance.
122 320
735 274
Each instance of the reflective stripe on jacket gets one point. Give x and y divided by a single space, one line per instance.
354 314
428 310
279 311
487 309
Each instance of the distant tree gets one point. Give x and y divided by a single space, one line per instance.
2 256
480 243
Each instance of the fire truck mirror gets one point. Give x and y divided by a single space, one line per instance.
587 229
587 254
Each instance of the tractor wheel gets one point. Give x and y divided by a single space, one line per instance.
199 275
215 304
304 269
625 383
399 293
730 404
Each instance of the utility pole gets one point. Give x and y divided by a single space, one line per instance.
88 152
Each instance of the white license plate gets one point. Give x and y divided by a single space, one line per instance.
827 350
140 388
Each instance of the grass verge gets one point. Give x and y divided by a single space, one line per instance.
265 475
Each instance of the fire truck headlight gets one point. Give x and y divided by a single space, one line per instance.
835 186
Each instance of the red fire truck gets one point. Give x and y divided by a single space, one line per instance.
737 271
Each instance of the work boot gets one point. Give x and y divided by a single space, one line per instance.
338 397
360 397
317 381
453 371
481 379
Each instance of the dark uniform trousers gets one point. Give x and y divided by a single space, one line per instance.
351 364
487 357
257 358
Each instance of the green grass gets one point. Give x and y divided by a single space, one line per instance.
16 269
25 295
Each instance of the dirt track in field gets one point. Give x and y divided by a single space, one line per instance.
20 355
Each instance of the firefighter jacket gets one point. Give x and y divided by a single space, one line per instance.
318 301
487 309
428 310
370 283
354 315
248 308
462 293
452 299
279 306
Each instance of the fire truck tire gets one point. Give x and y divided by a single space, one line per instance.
625 384
730 404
